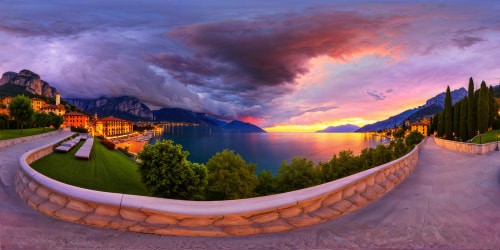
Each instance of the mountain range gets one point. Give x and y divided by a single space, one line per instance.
28 81
339 129
432 106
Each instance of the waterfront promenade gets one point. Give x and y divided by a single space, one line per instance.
451 200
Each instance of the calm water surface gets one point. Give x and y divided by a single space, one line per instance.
267 150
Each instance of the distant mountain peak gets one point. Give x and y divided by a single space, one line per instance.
345 128
30 80
242 127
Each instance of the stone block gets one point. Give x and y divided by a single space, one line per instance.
341 206
198 221
43 192
27 193
142 227
393 179
34 201
33 186
335 197
387 185
132 214
348 191
161 220
369 194
290 212
69 214
265 217
119 223
276 226
98 220
80 206
233 220
243 230
107 210
360 186
311 205
358 200
377 189
25 180
399 174
191 231
58 199
380 177
303 220
49 208
370 180
326 213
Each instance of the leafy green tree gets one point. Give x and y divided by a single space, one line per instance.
56 120
230 177
266 183
20 108
463 119
5 119
456 119
413 139
493 106
400 133
483 108
399 148
471 110
300 173
448 115
42 120
381 155
167 173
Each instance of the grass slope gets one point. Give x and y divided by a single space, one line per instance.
6 134
107 170
490 136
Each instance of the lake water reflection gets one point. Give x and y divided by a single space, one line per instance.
267 150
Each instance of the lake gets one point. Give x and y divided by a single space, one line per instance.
267 150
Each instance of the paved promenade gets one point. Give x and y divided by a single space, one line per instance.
451 200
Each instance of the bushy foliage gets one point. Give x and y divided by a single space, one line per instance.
300 173
109 144
56 120
230 177
167 173
20 108
266 183
413 139
79 129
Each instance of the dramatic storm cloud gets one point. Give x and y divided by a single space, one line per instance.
298 63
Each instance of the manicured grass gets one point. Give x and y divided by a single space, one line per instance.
107 170
6 134
490 136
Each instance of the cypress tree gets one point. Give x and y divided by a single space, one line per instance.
471 111
456 119
440 124
493 107
448 115
483 111
463 119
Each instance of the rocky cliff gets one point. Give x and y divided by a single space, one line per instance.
125 107
30 81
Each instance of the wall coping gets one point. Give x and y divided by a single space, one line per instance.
466 147
200 208
14 141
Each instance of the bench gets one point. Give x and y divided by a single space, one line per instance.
67 146
85 149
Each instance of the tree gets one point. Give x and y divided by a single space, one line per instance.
483 108
167 173
42 120
493 107
413 139
5 120
440 124
471 111
56 120
463 119
300 173
456 119
448 115
20 108
266 183
230 177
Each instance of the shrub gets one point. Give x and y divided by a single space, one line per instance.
300 173
110 145
79 129
413 139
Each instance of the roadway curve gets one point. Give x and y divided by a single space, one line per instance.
451 200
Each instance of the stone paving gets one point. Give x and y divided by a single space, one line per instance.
451 200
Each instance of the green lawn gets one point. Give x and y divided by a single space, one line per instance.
490 136
16 133
107 170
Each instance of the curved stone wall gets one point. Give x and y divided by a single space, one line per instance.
269 214
10 142
471 148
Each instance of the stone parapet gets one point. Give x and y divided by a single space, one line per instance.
10 142
471 148
268 214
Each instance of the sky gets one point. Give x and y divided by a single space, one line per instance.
283 65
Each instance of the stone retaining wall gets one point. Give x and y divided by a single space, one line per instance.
268 214
10 142
471 148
